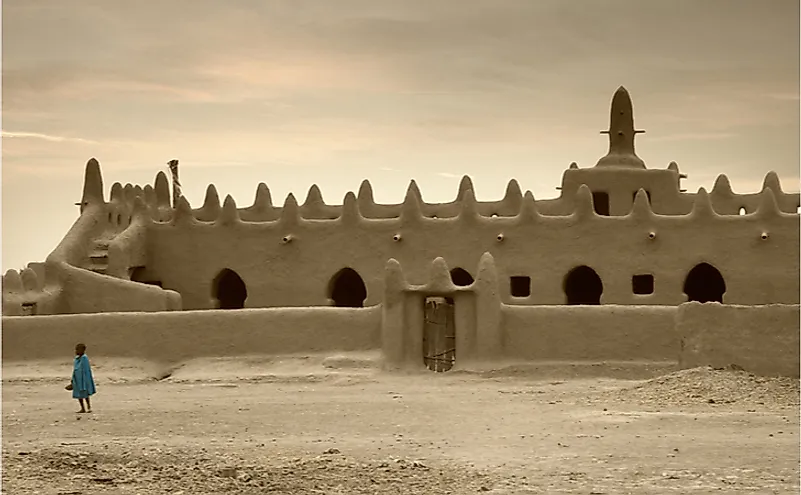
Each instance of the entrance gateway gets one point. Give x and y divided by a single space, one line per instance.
439 334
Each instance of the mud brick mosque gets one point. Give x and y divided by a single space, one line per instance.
619 233
623 265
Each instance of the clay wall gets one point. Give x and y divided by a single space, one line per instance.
762 339
476 314
73 280
590 333
290 261
176 336
86 292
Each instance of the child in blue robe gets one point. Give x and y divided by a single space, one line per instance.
82 384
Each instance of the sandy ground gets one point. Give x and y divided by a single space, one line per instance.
314 425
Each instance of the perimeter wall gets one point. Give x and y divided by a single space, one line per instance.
762 339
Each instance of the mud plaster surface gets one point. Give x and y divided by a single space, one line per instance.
338 425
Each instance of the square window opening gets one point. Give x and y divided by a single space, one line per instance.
600 201
520 286
642 284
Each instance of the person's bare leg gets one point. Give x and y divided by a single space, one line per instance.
80 401
88 405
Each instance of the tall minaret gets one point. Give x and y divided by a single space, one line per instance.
621 134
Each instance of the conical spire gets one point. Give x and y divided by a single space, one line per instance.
528 209
468 207
290 213
772 182
438 275
314 196
464 185
117 194
722 186
183 213
229 214
394 282
92 184
621 134
263 199
162 188
212 200
584 207
412 210
350 210
641 209
513 197
702 206
768 206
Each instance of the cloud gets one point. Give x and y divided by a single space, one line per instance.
45 137
698 136
448 175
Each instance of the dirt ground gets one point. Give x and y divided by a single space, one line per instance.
341 426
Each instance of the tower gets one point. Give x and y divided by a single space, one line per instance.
621 134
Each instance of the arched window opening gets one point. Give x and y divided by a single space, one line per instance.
742 211
347 289
704 283
229 290
583 286
461 277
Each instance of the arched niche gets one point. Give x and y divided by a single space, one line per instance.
229 290
704 283
461 277
583 286
347 289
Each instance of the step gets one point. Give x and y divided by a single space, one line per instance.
98 269
99 255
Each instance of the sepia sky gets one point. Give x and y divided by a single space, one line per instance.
297 92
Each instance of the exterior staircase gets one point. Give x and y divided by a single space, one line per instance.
98 257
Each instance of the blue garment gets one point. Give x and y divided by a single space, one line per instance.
83 385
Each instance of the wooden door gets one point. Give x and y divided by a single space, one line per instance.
439 334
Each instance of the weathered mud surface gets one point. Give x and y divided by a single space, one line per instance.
323 429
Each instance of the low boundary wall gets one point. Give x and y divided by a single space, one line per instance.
764 340
179 335
590 333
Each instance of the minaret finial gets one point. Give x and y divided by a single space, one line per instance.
621 133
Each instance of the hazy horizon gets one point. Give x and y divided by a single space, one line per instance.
300 93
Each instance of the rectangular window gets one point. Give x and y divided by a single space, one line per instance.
642 284
600 201
520 286
28 309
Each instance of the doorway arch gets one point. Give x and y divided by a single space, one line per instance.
704 283
583 286
229 290
347 289
461 277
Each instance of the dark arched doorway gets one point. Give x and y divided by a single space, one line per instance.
704 283
583 286
347 289
229 290
461 277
